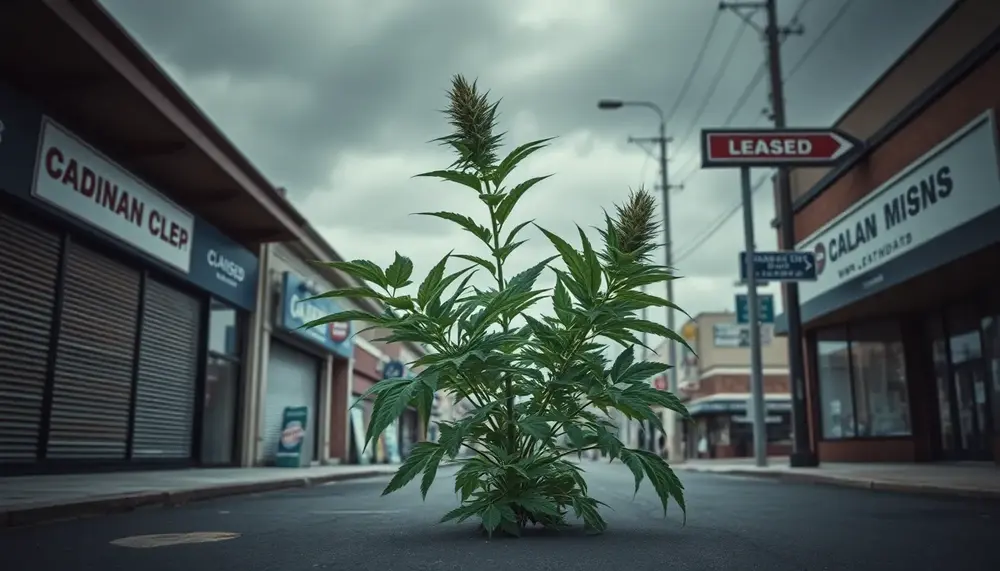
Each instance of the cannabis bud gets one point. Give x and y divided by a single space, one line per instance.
634 227
474 120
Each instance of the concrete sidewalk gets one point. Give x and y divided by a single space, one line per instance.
26 500
971 480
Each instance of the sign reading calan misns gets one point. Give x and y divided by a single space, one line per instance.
948 187
72 176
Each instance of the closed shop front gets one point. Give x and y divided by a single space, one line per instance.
303 368
293 381
104 308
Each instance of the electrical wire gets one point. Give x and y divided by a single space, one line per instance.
727 59
695 66
703 237
819 39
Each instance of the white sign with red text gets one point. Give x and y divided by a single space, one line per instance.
77 179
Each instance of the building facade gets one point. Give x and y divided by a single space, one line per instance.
127 288
903 323
714 384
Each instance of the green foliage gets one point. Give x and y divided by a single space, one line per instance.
541 387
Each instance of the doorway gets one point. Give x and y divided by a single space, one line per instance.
965 419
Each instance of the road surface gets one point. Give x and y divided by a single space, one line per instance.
733 524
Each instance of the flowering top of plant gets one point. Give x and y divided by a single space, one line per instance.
536 384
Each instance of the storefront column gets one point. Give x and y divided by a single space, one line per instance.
340 418
257 331
324 414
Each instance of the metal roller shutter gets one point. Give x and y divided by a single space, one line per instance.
168 373
93 373
29 258
292 379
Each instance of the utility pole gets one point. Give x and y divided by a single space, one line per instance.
802 453
675 434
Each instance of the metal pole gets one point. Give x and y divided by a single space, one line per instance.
802 453
756 368
673 419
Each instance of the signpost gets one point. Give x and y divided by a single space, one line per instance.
786 266
765 313
747 148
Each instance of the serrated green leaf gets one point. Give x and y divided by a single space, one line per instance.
491 199
515 194
573 260
430 469
413 465
622 363
635 465
663 479
359 292
517 155
467 223
592 264
492 269
398 273
432 280
466 179
535 427
641 371
646 326
491 518
342 316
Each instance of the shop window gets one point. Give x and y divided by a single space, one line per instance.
222 385
862 381
224 331
833 363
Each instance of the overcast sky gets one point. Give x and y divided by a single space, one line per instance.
335 100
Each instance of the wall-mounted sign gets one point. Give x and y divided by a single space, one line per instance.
296 311
223 267
737 335
393 370
75 178
947 188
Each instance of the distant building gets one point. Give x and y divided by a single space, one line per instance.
714 383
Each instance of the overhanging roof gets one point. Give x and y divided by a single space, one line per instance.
75 59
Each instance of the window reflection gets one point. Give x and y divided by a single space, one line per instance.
833 365
862 381
221 394
223 330
879 377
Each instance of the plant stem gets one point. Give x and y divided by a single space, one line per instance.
508 382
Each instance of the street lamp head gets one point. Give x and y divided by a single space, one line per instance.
610 104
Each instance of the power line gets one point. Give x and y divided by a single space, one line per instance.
716 80
819 39
695 66
716 225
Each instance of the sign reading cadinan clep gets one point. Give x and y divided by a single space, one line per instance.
74 177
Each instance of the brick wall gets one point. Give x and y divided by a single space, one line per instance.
716 384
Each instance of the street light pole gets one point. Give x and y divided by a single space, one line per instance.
673 425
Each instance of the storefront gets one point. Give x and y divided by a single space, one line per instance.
116 302
722 426
301 368
904 314
395 444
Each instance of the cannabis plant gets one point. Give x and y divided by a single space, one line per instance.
541 387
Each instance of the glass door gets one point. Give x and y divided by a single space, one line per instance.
971 414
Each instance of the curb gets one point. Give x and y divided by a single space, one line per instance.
48 513
866 484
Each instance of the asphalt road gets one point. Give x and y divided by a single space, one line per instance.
733 524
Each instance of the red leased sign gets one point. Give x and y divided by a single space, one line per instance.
774 147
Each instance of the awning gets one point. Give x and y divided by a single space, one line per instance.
736 403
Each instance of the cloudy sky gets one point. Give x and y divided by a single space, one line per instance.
335 100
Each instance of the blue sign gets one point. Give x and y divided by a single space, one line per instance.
295 312
294 423
20 127
393 370
765 303
787 266
223 267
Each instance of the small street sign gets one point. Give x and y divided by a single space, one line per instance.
785 266
764 300
774 147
